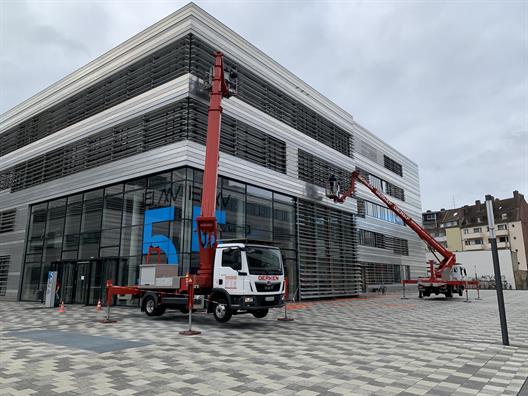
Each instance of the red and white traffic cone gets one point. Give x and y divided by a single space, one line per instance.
61 307
99 307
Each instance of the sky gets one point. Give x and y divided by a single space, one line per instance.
444 82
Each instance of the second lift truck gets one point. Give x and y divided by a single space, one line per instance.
446 277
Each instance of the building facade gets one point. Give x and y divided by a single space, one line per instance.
108 161
465 230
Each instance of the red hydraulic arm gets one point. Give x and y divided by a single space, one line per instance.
449 258
206 222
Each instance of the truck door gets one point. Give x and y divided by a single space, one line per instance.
231 273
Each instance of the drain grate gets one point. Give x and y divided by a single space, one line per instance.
75 340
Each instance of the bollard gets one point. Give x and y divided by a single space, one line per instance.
467 293
285 317
478 293
403 293
108 303
190 304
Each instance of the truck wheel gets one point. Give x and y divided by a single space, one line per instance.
449 292
221 311
149 305
261 313
420 294
460 291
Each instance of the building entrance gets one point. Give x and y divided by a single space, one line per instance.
84 281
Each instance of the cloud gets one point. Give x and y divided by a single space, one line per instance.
446 83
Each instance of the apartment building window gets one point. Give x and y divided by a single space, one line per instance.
466 231
449 224
504 239
477 229
502 227
472 242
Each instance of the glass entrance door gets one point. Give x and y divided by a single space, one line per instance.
82 281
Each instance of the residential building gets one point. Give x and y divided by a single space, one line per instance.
465 229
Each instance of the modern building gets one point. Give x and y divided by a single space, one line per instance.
465 230
86 164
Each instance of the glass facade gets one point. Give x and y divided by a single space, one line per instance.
105 233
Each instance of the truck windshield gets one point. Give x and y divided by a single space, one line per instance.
264 261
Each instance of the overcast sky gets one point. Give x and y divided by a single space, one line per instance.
444 82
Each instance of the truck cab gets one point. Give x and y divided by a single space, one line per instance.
247 278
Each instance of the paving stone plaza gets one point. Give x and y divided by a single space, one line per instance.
372 345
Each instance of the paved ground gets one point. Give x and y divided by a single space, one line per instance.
376 345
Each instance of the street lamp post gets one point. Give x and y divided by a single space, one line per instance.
496 267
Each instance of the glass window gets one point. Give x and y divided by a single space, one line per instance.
136 184
134 208
161 179
231 258
131 241
115 189
73 215
92 211
263 261
233 203
258 212
179 174
31 281
89 245
110 237
109 252
55 221
112 211
37 228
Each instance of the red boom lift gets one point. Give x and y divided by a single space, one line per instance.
444 277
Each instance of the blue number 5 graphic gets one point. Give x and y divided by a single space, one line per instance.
163 242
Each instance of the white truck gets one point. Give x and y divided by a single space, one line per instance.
247 278
452 281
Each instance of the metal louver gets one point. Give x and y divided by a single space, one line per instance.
185 119
7 220
327 252
4 269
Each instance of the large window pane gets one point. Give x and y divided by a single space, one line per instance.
131 241
110 237
37 228
89 245
56 214
73 215
258 212
31 281
134 208
234 205
112 211
92 211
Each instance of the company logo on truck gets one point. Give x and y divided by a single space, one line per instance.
268 278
